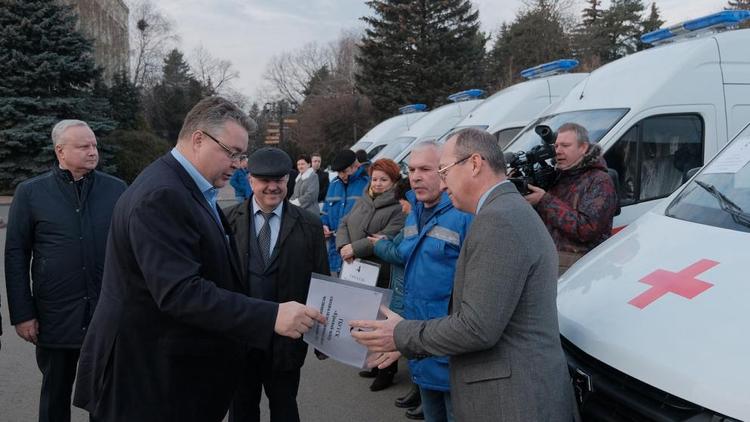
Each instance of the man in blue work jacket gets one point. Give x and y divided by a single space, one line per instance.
433 235
349 185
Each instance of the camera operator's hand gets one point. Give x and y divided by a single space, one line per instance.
536 194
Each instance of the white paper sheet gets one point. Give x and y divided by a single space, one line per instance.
360 271
732 159
341 301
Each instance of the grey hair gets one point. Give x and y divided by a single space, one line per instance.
430 143
62 126
582 135
470 141
212 113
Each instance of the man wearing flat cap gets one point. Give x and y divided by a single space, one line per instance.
279 245
342 193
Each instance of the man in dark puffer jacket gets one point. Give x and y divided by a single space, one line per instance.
579 207
57 230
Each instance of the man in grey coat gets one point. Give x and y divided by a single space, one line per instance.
502 334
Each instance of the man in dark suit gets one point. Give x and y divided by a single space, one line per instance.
280 245
502 335
169 336
54 255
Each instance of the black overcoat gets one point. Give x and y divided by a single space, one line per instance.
55 243
301 251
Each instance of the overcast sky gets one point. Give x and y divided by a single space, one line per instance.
249 32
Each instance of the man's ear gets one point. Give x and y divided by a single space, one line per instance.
477 162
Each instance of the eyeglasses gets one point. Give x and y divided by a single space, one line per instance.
443 172
234 156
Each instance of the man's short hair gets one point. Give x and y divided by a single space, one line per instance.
212 113
316 154
582 135
430 143
62 126
361 156
470 141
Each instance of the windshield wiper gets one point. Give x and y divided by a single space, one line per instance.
738 214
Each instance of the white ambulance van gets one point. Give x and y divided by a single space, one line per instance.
662 111
434 125
507 111
378 137
655 320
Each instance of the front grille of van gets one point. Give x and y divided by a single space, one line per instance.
608 395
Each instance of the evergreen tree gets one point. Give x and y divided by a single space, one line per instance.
652 23
48 74
536 36
622 28
319 83
173 96
593 13
124 98
419 51
588 40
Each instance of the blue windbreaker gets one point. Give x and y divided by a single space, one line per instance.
339 201
430 255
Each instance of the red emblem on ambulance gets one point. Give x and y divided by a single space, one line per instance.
683 283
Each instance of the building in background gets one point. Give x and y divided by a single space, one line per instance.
106 23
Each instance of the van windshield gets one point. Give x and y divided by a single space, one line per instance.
360 145
720 195
597 122
395 147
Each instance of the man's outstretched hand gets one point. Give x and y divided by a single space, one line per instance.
377 336
294 319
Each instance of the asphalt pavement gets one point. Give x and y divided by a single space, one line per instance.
329 391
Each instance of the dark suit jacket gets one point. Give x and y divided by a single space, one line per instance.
502 334
173 321
300 250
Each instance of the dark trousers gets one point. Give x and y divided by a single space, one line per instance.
58 368
280 387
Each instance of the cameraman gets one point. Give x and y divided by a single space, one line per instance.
579 207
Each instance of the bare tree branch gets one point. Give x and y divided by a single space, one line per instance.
151 37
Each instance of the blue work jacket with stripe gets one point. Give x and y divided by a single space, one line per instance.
339 201
430 255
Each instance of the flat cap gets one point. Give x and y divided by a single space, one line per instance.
343 160
269 162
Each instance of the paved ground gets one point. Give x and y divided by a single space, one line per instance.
329 391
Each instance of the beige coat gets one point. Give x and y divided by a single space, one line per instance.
382 215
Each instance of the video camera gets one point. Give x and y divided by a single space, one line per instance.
531 167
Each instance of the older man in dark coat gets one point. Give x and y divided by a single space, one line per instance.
57 231
280 245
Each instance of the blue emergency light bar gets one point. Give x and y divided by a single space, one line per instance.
551 68
469 94
412 108
725 19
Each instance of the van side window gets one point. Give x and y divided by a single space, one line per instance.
506 135
652 159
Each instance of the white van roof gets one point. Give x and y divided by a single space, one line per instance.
387 130
647 77
432 126
517 104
